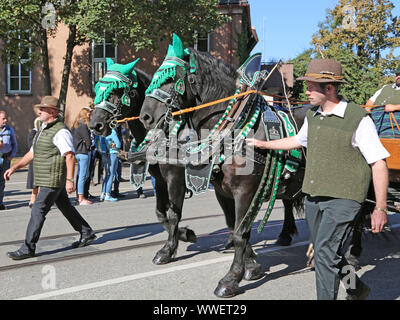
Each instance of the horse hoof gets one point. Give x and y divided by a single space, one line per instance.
225 291
161 259
283 241
187 235
253 273
191 236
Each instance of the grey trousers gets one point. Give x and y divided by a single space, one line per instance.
330 222
45 199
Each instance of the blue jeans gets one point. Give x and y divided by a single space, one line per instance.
110 162
4 166
83 170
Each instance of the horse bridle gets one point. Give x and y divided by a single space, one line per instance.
116 109
170 98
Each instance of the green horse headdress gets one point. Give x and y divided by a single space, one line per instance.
118 76
175 57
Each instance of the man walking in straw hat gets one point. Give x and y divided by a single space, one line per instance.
53 159
343 149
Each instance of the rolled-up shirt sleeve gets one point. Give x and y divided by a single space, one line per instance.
63 141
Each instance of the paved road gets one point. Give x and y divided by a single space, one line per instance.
118 265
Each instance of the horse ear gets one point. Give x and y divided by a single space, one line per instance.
178 46
109 62
127 68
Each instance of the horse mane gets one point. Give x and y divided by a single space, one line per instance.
214 78
145 77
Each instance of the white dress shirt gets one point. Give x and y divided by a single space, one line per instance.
365 138
62 140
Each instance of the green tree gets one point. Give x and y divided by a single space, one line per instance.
141 23
363 36
21 28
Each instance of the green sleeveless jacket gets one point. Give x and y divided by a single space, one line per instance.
334 167
49 168
385 127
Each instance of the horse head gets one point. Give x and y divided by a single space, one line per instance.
119 94
185 79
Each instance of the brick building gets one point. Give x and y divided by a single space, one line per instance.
21 88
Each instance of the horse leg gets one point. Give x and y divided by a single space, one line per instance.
244 257
228 207
228 286
289 225
252 267
170 220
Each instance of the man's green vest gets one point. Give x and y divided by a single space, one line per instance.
388 95
49 169
385 127
334 167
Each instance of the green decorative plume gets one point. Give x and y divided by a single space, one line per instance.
103 90
168 68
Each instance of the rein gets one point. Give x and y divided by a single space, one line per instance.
209 104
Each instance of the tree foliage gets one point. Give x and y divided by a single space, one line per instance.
141 23
363 36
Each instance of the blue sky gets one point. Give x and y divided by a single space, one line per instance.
289 25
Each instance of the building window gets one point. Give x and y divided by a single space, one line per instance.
101 51
202 42
19 77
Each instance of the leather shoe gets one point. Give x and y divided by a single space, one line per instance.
84 241
20 255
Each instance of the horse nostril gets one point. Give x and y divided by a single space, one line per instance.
147 118
98 127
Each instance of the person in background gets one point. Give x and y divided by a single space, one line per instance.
53 159
118 174
8 149
82 144
388 97
112 144
29 181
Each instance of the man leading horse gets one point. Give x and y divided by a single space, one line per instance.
343 152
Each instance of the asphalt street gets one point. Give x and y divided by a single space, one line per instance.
118 265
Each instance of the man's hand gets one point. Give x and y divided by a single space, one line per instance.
255 142
392 107
378 220
8 173
69 186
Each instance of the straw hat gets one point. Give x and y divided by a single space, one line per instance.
324 70
48 102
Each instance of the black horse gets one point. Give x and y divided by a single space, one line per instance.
105 117
212 80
